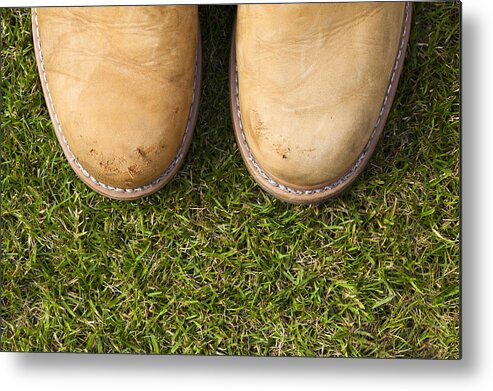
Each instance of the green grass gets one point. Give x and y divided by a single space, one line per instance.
214 265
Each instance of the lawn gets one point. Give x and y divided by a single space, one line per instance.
214 265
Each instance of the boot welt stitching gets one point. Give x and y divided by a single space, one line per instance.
358 162
72 156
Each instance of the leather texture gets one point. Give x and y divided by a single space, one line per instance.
312 79
121 81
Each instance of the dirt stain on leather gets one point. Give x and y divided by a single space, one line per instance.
282 150
145 153
142 152
259 125
133 170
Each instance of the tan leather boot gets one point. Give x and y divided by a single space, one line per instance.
311 86
122 88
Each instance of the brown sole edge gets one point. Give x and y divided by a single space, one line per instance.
91 182
333 188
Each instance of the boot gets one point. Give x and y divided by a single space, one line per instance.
122 88
311 86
